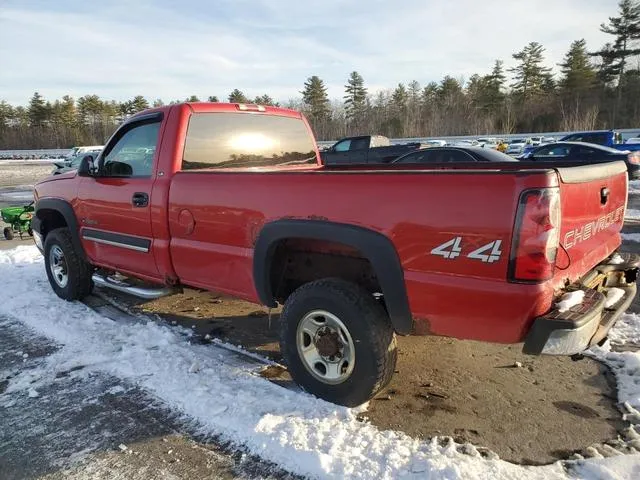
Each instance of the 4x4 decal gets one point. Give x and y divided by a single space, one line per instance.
452 249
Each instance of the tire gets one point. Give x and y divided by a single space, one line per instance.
8 233
76 270
367 325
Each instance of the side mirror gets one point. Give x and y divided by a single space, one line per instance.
87 167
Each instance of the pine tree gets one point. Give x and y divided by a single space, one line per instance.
192 98
531 77
626 29
37 110
89 108
237 97
212 99
355 100
6 114
265 100
139 103
400 98
496 79
315 99
64 112
578 75
449 90
158 103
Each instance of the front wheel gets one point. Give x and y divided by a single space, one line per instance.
337 341
69 274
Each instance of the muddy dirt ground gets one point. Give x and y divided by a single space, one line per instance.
530 410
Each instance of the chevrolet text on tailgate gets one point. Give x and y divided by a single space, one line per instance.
234 198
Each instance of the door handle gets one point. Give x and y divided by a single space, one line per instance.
140 199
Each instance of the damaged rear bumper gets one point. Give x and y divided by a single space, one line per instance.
584 325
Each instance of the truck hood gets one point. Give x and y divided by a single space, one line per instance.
62 176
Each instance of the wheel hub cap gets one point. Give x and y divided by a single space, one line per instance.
58 266
327 342
325 347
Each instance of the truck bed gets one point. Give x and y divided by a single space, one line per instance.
418 209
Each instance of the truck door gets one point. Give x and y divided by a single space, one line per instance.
114 206
349 151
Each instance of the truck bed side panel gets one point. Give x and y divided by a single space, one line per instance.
419 212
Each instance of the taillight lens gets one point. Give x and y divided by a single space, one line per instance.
536 236
634 157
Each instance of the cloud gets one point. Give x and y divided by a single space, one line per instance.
167 50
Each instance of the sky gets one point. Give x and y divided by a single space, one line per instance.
170 50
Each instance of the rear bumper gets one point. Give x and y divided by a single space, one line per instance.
584 325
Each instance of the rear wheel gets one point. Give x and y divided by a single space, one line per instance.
69 274
8 233
337 341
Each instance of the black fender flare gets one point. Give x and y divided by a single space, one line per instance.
374 246
66 210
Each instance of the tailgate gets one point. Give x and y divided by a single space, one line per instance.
593 201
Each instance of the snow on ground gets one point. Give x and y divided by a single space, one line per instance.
627 330
24 196
224 396
32 161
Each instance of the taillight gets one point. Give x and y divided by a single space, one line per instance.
536 236
634 157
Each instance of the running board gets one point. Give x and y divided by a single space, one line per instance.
140 292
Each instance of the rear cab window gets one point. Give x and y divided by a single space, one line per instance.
243 140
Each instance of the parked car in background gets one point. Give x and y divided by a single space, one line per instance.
490 142
73 162
536 141
464 143
452 155
365 149
606 138
529 148
517 146
436 143
75 151
585 153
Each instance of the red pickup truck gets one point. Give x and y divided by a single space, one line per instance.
234 198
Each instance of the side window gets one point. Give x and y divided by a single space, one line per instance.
582 151
132 154
599 138
360 144
452 156
343 146
617 139
422 156
574 138
552 151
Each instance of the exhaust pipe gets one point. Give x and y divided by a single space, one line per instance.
140 292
